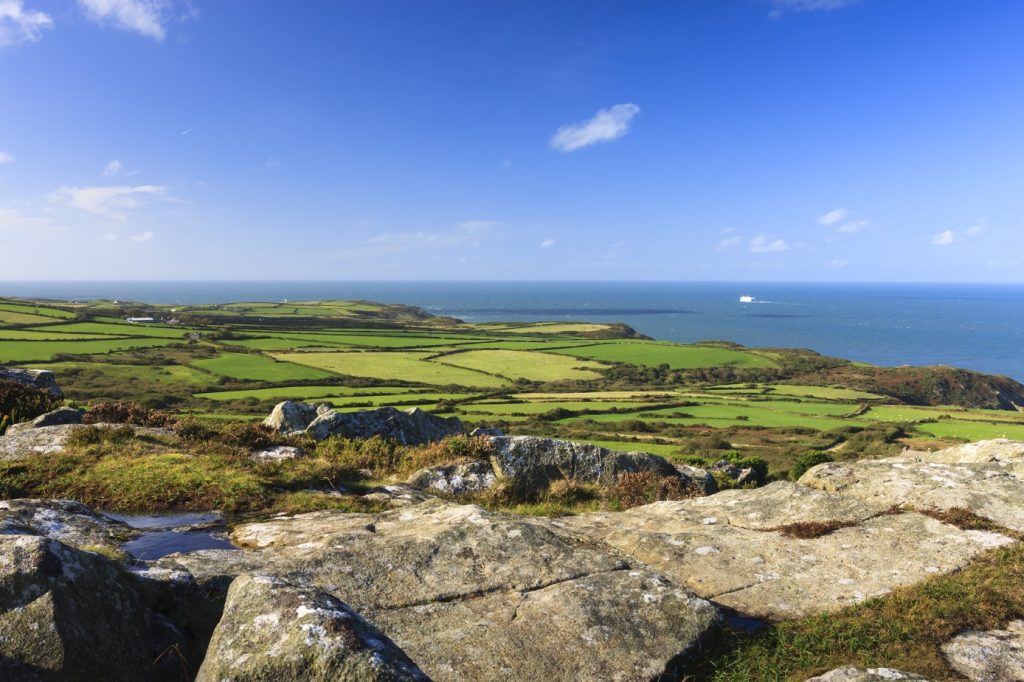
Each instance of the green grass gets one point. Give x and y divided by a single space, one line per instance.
258 368
14 317
542 407
398 365
298 393
358 340
36 310
723 416
144 330
823 392
972 430
655 354
36 335
518 364
28 351
549 328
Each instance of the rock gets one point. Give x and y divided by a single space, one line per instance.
986 478
991 656
484 431
740 477
413 427
68 521
852 674
62 415
533 463
24 440
42 379
272 630
397 495
455 479
726 547
290 417
701 478
66 614
278 453
465 592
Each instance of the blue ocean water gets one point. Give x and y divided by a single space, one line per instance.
975 326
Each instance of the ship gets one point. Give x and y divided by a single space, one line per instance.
746 299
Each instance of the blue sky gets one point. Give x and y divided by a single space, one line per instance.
847 140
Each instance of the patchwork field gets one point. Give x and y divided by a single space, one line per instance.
654 354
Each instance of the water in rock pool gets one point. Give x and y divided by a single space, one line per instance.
163 535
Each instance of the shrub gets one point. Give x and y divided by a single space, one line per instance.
125 413
94 436
645 487
19 402
807 461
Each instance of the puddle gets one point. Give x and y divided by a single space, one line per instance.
745 624
163 535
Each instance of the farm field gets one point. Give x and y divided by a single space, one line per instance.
412 366
519 364
258 368
654 354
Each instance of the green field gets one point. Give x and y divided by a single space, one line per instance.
112 329
42 351
518 364
412 366
824 392
653 354
258 368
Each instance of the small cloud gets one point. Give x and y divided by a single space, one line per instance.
944 238
729 243
833 217
974 230
6 158
547 243
838 263
110 202
144 237
112 168
145 17
606 125
765 244
18 25
781 7
853 226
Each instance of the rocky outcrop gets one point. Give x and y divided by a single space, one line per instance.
986 478
465 592
68 521
42 379
783 551
411 427
278 453
272 630
25 440
58 417
455 479
852 674
992 656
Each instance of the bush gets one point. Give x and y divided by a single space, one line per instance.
125 413
805 462
645 487
19 402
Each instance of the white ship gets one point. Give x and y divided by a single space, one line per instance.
746 299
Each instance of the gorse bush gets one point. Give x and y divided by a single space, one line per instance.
808 461
19 402
645 487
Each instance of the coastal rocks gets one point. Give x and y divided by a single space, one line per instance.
277 453
991 656
66 614
272 630
852 674
782 551
68 521
986 478
465 592
455 479
533 463
412 427
42 379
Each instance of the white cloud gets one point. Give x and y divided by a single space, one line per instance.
18 25
146 17
606 125
852 226
833 217
974 230
112 168
110 202
780 7
762 243
6 158
838 263
466 233
144 237
944 238
547 243
728 243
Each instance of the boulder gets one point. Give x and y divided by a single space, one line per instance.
62 415
278 453
701 478
533 463
485 431
272 630
42 379
66 614
466 593
991 656
455 479
852 674
986 478
25 440
730 547
291 417
412 427
70 522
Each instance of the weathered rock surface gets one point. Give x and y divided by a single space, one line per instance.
66 614
272 630
993 656
62 415
487 431
68 521
852 674
291 417
987 478
701 478
36 378
455 479
465 592
25 440
411 427
534 463
278 453
723 547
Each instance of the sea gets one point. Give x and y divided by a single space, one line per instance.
975 326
